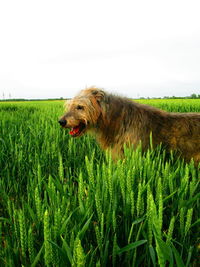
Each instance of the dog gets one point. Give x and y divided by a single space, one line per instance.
117 121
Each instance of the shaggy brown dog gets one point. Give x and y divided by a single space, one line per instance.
116 121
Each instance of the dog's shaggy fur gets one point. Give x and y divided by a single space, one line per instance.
116 121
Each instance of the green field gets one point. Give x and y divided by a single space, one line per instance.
63 202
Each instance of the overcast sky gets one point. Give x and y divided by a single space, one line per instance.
134 48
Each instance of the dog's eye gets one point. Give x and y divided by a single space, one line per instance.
79 107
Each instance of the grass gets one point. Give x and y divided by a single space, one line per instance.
63 202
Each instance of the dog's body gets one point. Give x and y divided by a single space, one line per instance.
116 121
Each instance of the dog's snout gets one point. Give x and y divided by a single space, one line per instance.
62 122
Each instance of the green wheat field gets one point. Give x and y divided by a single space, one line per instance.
64 202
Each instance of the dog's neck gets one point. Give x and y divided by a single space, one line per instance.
123 120
115 112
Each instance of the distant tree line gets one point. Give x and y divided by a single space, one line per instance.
192 96
23 99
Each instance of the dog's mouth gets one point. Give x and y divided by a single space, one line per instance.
78 130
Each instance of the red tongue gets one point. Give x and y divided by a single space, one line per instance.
74 131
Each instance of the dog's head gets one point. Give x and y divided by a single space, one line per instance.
83 111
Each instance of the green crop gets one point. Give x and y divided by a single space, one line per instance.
64 202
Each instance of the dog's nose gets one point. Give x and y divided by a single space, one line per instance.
62 122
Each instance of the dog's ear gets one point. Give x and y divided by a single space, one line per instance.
98 94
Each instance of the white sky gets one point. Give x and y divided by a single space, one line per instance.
135 48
